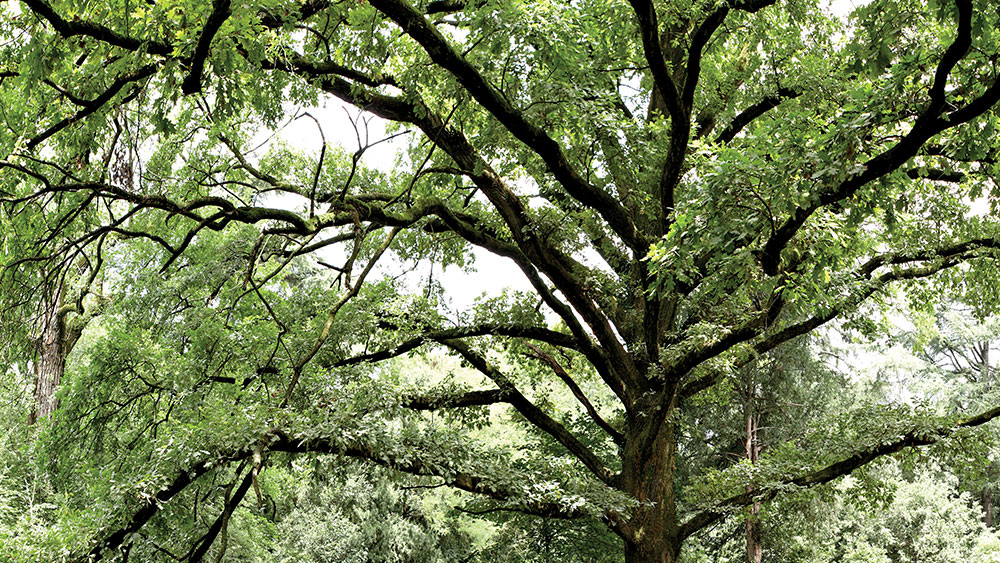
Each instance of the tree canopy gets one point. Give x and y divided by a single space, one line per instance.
685 187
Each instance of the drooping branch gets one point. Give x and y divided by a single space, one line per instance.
912 439
94 105
277 440
532 413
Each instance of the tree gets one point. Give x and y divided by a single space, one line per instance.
955 346
685 186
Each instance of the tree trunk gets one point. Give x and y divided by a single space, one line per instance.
755 551
50 362
56 338
986 500
652 533
986 494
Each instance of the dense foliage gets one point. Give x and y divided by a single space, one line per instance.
210 320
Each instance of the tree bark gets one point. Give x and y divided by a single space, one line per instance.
50 363
652 535
986 500
57 335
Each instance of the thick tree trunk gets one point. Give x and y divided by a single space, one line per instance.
50 362
652 534
56 338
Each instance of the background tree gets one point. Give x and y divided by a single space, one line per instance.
684 186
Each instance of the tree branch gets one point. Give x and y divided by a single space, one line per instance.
97 31
220 13
928 124
532 413
912 439
416 26
468 399
747 116
617 436
931 261
94 105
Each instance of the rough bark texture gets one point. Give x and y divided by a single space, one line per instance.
57 335
51 357
652 535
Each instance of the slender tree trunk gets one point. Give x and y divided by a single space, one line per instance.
652 534
755 551
986 494
986 500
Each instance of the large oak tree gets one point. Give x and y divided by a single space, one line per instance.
685 186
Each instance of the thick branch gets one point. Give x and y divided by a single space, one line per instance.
230 504
935 174
926 126
530 251
97 31
645 13
220 13
747 116
94 105
441 52
139 519
467 399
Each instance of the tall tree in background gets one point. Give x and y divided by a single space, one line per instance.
957 345
685 186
